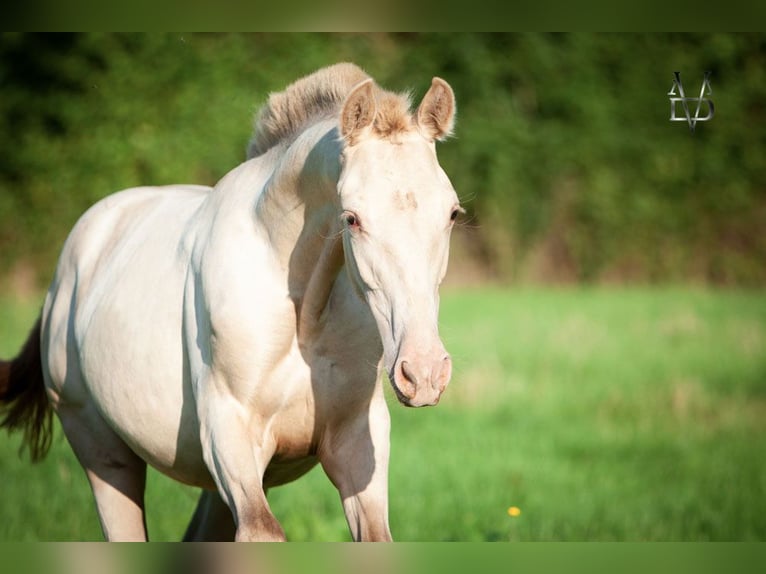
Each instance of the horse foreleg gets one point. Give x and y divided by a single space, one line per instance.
212 520
356 461
237 464
117 475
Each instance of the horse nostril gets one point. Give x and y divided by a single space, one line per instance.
408 373
410 380
444 374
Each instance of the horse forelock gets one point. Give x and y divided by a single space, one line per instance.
393 115
320 96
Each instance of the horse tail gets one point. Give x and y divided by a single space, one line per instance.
24 404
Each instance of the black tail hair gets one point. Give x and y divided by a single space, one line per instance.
24 404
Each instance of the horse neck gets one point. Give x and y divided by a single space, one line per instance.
299 212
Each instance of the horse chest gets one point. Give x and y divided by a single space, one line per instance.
293 428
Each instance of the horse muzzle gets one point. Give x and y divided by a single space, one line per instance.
419 380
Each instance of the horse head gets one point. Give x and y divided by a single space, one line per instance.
397 210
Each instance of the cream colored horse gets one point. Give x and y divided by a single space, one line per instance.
234 337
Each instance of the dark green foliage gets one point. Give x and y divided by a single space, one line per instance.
564 156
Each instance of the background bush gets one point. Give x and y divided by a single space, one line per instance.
564 156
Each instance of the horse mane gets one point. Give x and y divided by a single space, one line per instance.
320 96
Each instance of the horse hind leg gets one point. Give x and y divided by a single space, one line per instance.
212 520
116 474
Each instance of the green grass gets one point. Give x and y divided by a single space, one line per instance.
603 414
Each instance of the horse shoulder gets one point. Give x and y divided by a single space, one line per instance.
236 290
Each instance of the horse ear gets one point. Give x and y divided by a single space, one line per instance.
436 113
358 111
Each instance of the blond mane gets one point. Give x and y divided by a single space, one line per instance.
320 96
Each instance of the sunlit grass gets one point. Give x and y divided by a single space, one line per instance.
599 414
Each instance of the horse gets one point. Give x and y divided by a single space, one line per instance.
234 337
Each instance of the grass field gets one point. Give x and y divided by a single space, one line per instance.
601 414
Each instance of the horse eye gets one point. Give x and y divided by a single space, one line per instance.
453 215
351 220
